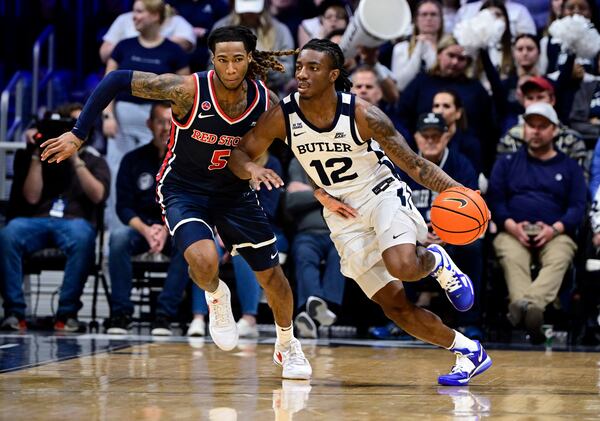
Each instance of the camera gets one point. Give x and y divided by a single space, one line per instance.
51 126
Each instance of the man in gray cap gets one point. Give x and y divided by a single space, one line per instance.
537 196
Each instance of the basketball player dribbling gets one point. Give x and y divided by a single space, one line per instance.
211 110
343 143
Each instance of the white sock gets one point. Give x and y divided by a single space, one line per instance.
284 334
462 342
219 292
437 257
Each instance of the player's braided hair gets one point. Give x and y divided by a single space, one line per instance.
262 61
343 82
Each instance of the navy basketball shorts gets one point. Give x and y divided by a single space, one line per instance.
239 219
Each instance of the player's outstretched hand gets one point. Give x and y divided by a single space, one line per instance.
333 205
60 148
261 175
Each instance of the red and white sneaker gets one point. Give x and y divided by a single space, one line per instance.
292 359
221 325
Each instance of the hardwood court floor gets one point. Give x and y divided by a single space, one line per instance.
175 381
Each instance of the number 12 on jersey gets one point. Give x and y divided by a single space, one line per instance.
337 175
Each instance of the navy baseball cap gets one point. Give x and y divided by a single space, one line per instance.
431 121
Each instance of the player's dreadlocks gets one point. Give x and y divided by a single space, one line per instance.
262 61
342 83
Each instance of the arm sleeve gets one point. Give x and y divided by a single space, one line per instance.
107 89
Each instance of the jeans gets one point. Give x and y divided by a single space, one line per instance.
126 242
248 289
23 236
308 251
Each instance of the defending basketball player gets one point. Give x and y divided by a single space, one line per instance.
211 110
344 143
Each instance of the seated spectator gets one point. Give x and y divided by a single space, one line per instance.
566 140
143 230
318 285
418 52
174 27
537 197
288 12
367 85
432 138
332 15
270 33
61 206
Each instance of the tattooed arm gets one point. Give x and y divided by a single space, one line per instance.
270 126
179 90
373 123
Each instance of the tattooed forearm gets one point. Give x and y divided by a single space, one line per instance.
421 170
164 87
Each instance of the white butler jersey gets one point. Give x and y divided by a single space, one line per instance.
337 159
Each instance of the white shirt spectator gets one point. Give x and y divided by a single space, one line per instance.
520 19
174 26
406 66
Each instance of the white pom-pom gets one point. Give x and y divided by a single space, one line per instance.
481 31
577 34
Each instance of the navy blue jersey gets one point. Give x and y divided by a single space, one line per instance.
202 141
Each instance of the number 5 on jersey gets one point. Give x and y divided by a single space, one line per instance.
219 159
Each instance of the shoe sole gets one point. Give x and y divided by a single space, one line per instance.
306 329
195 335
222 346
483 367
318 311
161 331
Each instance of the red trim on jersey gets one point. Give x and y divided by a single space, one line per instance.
168 156
194 106
213 96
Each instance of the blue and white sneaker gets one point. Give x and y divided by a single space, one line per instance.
458 286
468 364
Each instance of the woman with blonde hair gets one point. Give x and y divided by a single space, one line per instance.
418 52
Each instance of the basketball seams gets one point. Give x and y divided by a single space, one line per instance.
484 217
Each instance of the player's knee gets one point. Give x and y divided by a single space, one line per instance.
404 269
203 262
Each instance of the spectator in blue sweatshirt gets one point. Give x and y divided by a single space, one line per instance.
537 196
144 230
432 138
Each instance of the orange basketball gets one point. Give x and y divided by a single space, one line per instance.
459 215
